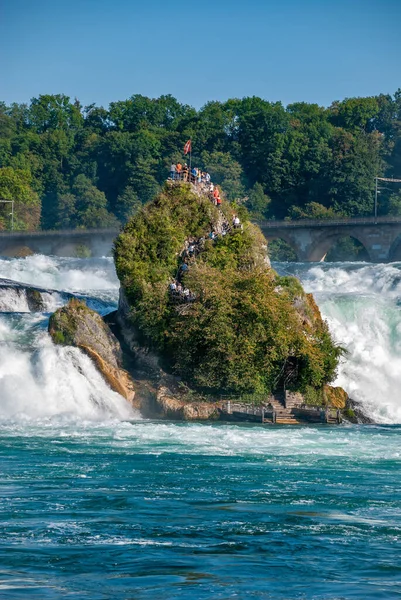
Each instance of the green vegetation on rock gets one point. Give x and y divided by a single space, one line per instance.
248 331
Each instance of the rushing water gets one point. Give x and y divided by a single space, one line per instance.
99 503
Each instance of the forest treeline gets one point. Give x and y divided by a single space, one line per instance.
68 165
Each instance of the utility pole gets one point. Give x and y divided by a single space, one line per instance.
377 179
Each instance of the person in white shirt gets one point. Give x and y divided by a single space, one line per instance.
172 171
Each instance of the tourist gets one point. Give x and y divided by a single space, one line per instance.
207 177
173 286
236 222
216 195
199 176
185 172
172 171
178 170
194 174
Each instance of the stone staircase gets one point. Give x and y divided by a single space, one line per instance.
283 404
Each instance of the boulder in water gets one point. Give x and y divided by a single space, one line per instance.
77 325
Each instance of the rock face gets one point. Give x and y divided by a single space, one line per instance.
77 325
173 408
336 397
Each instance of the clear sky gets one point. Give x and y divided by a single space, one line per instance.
288 50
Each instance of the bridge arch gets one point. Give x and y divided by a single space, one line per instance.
326 241
17 251
72 248
394 254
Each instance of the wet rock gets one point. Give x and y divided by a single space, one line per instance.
77 325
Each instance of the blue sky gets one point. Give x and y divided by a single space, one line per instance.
288 50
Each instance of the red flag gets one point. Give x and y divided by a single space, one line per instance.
187 147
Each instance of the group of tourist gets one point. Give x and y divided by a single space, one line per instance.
178 292
179 172
183 172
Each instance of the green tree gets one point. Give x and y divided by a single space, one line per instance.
258 202
225 171
16 185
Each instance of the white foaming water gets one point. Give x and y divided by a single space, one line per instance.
13 300
40 380
362 306
68 274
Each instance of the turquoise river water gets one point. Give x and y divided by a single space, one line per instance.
98 503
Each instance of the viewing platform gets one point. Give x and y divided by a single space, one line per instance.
286 410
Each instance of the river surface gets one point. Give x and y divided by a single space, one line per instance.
98 503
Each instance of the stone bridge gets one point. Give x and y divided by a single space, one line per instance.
74 242
312 239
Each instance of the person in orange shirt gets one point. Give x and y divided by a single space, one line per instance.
178 169
216 196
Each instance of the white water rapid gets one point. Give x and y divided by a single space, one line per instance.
39 380
361 302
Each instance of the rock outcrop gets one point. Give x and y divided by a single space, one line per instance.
243 329
77 325
173 408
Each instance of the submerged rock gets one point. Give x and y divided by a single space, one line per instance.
77 325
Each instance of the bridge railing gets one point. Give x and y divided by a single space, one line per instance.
328 222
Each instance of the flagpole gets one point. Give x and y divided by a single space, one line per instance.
190 154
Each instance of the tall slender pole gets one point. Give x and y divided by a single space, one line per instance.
376 202
190 154
12 215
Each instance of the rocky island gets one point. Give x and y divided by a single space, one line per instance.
204 322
